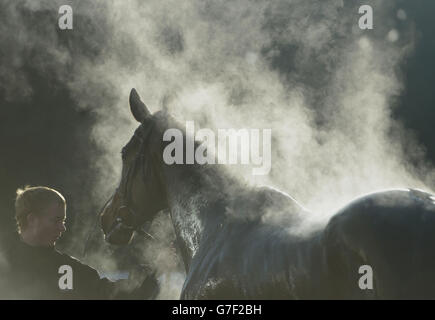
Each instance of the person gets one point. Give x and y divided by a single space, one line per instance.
32 268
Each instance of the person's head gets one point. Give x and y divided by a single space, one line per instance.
40 213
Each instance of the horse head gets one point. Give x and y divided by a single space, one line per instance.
140 194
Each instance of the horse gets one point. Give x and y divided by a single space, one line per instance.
242 242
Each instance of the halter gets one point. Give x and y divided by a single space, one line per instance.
124 189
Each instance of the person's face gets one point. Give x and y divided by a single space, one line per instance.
47 226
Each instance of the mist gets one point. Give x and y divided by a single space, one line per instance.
304 69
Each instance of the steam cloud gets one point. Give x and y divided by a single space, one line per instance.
302 68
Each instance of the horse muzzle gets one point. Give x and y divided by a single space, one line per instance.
120 230
119 233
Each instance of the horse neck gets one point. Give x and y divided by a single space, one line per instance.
196 195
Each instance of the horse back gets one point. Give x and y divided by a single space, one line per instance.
392 232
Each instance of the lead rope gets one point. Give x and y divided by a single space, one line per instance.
91 231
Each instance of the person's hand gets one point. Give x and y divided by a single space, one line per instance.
149 288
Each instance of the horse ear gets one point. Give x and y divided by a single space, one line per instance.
137 107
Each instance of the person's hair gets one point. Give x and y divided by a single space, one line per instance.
34 200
